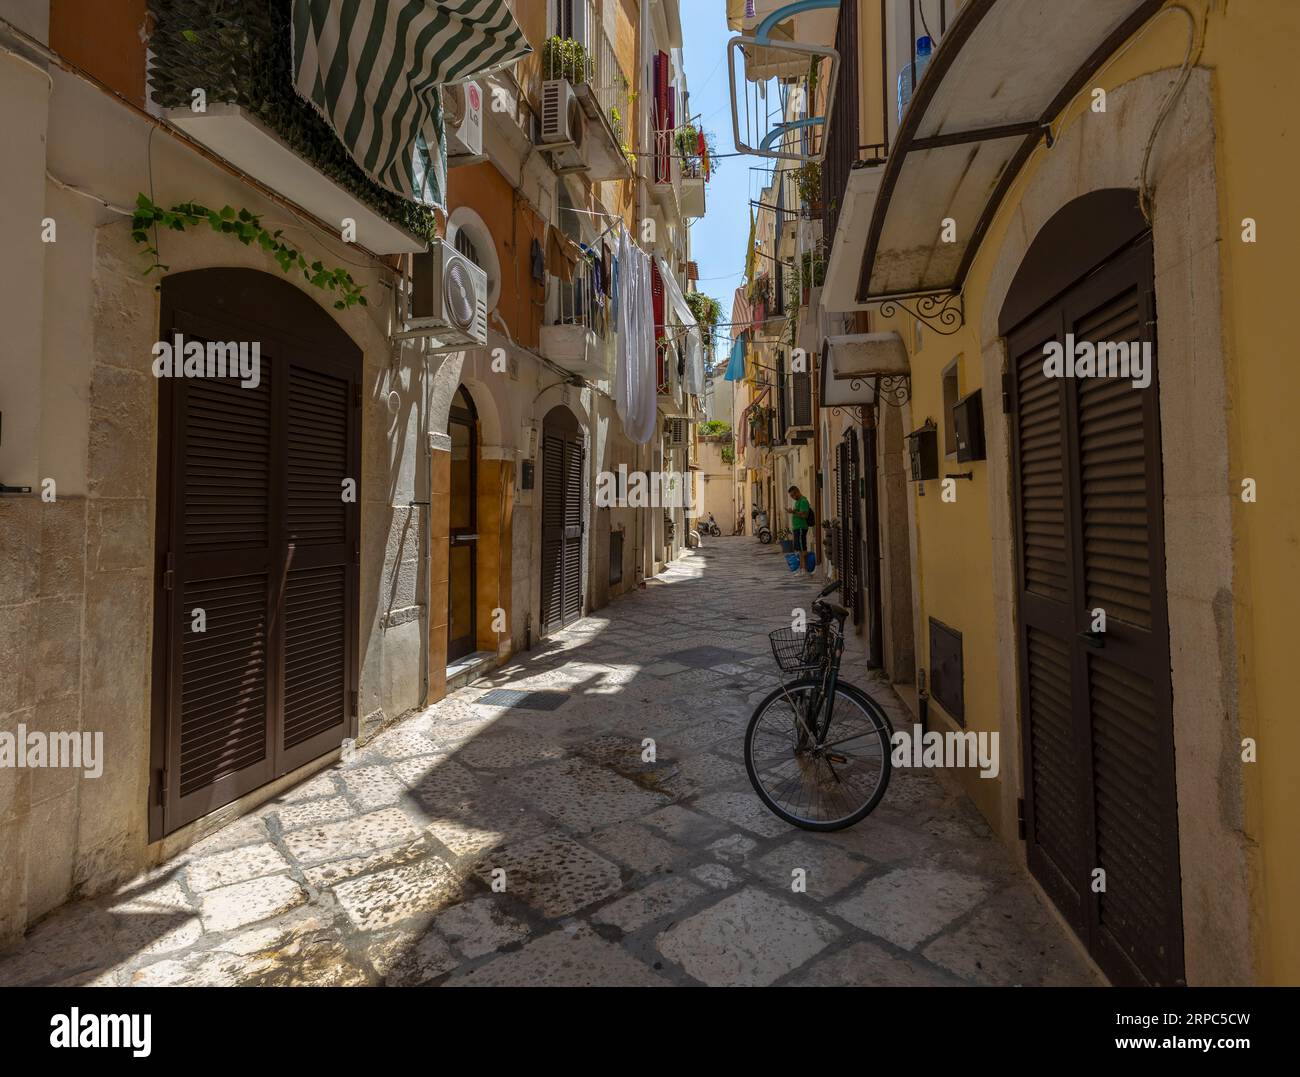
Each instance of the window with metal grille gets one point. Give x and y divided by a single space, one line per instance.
465 246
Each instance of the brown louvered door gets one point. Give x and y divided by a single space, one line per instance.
562 521
1096 706
255 531
847 471
573 509
317 605
220 571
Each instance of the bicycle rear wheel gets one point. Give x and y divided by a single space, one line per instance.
819 789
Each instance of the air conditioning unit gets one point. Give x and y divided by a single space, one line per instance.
561 114
462 110
563 127
678 433
448 299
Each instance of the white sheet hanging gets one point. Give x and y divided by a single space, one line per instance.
634 358
694 344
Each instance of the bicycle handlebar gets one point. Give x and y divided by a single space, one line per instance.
829 589
840 612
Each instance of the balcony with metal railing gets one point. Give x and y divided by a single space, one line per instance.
577 329
588 98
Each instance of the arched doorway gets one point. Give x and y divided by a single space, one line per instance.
462 524
563 519
257 543
1101 819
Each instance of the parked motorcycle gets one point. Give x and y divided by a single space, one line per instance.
707 525
761 531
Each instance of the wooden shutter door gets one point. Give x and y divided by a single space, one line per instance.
553 515
1127 691
573 528
1052 766
1097 706
254 530
321 534
223 562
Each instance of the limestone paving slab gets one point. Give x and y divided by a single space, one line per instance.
555 875
360 834
574 956
385 898
234 866
747 939
234 906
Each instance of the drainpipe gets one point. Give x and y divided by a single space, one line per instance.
425 522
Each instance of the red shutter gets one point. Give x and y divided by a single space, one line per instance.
662 142
657 297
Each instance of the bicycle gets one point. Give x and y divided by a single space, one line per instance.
817 749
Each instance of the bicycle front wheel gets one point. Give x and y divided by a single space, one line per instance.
819 788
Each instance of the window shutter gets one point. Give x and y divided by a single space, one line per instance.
801 394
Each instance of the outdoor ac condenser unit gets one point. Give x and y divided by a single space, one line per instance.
462 106
448 300
561 114
678 432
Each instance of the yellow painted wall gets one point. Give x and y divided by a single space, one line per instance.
955 553
1250 47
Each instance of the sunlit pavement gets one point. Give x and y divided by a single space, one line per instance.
615 871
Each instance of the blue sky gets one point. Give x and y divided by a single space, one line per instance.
717 239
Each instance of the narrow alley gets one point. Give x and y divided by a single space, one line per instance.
381 869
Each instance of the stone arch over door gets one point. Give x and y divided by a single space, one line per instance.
1091 154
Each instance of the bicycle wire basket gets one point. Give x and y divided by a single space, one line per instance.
799 652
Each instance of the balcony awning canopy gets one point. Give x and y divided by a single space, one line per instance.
1002 73
851 365
375 72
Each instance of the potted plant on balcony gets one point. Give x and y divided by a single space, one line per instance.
812 271
564 58
808 179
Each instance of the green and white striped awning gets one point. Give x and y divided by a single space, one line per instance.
374 69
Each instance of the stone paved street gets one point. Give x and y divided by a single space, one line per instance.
380 869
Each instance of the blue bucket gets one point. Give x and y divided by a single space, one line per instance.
810 560
792 559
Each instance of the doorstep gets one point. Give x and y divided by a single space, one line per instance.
464 670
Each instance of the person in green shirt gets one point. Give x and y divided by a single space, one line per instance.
799 516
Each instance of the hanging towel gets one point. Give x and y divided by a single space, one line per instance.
562 255
374 72
736 368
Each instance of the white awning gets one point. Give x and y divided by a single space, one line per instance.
851 365
844 269
1003 72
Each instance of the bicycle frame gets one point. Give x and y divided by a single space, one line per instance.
824 694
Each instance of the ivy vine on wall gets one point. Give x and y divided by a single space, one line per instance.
247 228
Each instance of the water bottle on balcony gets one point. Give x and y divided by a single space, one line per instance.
924 47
